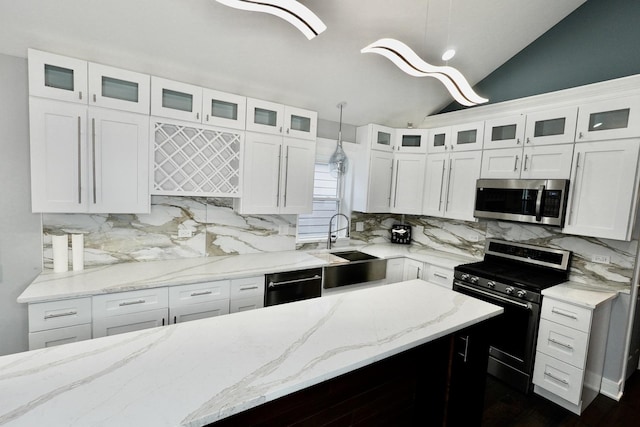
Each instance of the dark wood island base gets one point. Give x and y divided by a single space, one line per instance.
440 383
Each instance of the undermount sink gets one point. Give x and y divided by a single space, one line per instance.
354 255
360 268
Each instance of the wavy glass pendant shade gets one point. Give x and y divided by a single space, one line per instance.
339 162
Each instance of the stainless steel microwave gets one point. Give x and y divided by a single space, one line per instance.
537 201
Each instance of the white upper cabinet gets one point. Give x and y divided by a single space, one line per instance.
278 175
535 162
376 137
551 126
119 89
505 132
610 119
278 119
450 183
58 77
411 140
88 160
603 193
74 80
465 137
223 109
408 183
176 100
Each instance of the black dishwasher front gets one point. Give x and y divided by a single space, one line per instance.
292 286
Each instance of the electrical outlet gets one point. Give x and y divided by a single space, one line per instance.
185 233
283 229
359 226
473 238
601 259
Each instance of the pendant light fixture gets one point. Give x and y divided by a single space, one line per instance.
339 162
409 62
291 11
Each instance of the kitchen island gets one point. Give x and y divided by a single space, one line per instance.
199 372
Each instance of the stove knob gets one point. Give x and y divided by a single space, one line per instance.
473 279
491 284
521 294
509 290
464 276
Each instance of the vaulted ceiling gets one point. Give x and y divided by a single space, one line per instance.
206 43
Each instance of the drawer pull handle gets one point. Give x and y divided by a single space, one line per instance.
553 377
54 315
138 301
248 288
197 294
441 276
569 346
565 314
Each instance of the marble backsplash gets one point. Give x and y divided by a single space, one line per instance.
216 229
468 238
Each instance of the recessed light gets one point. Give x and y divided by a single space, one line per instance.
448 54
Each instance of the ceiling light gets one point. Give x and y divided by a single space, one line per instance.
338 162
448 54
290 10
409 62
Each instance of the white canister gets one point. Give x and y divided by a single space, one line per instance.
60 245
77 250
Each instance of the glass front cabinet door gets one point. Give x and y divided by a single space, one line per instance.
412 140
175 100
610 119
468 136
223 109
439 140
57 77
265 116
119 89
300 123
551 126
505 132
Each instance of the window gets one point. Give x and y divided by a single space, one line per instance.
326 203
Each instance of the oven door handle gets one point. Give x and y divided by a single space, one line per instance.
541 190
498 297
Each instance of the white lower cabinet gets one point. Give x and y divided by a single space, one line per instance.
198 301
570 352
395 270
246 294
438 275
603 194
413 269
129 311
59 322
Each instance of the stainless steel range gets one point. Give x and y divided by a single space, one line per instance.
513 276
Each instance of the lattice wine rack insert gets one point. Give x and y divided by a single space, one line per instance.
195 161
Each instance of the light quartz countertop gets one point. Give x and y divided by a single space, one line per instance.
194 373
580 294
142 275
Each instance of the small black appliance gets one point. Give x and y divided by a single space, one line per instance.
401 233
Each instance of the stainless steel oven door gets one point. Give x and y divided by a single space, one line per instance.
512 344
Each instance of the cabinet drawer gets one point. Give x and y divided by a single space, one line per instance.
566 314
202 310
563 343
59 336
129 302
559 378
440 276
58 314
113 325
247 287
244 304
198 293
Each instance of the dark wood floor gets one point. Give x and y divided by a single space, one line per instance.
505 407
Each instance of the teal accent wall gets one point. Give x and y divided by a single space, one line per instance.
599 41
